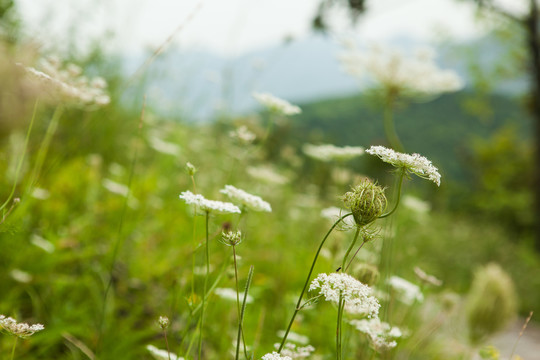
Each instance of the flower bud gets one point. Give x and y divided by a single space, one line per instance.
191 169
491 302
366 201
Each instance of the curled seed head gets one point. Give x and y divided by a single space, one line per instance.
366 201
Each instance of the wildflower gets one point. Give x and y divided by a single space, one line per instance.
40 194
297 338
191 169
231 238
69 83
159 354
330 152
209 206
491 302
230 294
22 330
41 243
267 174
381 335
409 292
21 276
295 352
275 356
115 188
429 279
414 163
163 322
414 76
366 201
253 202
276 104
243 134
357 296
163 146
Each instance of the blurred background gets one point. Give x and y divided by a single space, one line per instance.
95 244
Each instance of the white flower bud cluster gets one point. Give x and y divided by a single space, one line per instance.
252 202
275 356
415 163
357 296
418 75
296 352
276 104
328 152
22 330
210 206
69 84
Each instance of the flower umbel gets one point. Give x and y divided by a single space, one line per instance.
252 202
210 206
22 330
296 352
276 104
415 163
357 296
330 152
163 322
381 335
231 238
275 356
409 292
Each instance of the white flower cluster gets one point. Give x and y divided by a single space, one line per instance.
275 356
69 83
267 174
409 292
328 152
243 134
276 104
252 202
230 294
210 206
416 75
159 354
22 330
357 296
381 335
415 163
429 279
296 352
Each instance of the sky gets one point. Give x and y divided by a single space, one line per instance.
235 27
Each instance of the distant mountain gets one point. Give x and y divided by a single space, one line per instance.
198 84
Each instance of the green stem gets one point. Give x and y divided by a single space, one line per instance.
21 160
350 262
167 344
299 302
242 312
205 286
339 328
389 127
400 183
13 349
238 307
343 268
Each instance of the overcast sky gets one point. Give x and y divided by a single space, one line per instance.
233 27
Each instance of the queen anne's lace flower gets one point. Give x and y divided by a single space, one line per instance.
295 352
253 202
415 163
328 152
159 354
22 330
275 356
276 104
357 296
381 335
413 76
209 205
409 292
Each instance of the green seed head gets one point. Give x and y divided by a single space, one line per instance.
366 273
491 302
366 201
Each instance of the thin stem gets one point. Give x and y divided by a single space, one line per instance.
349 249
167 344
13 349
400 183
299 302
388 120
339 328
244 302
205 286
21 160
238 308
520 334
350 262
